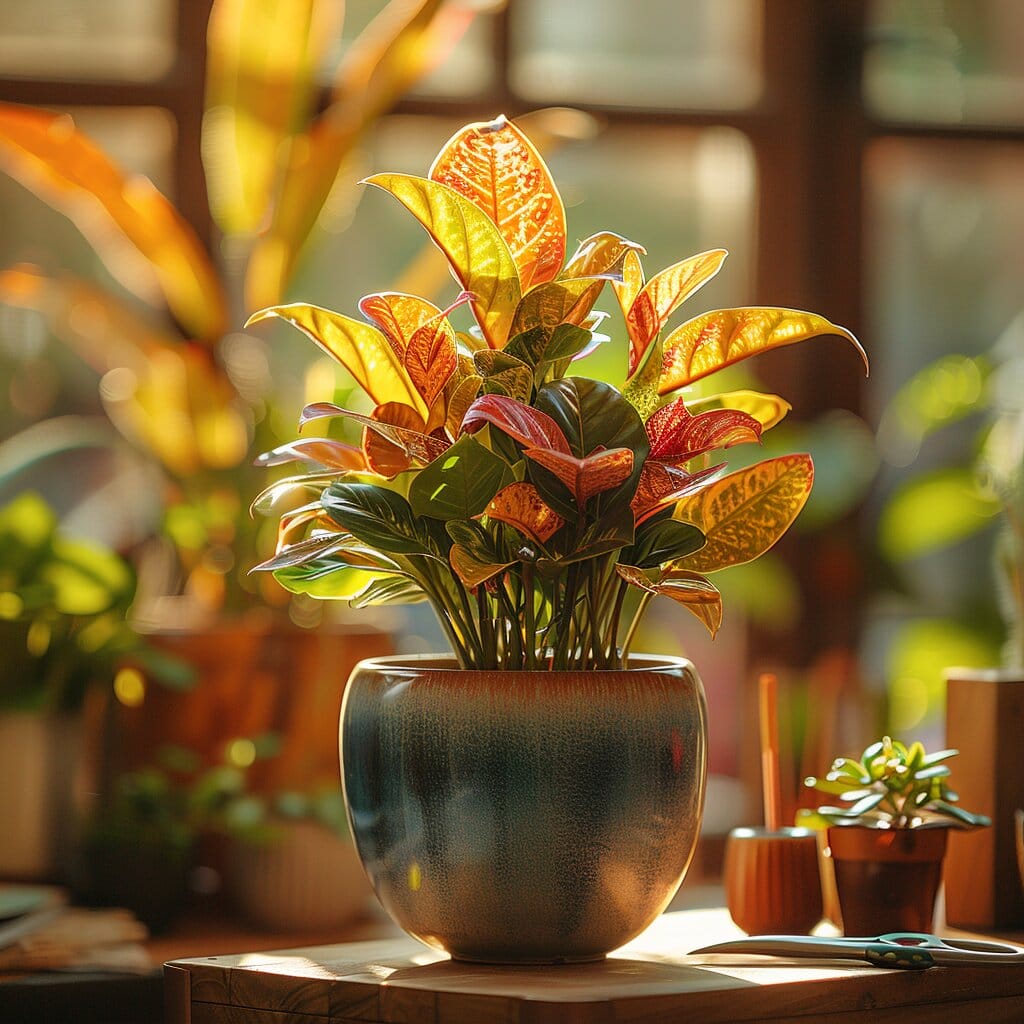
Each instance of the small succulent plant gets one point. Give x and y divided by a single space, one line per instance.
892 786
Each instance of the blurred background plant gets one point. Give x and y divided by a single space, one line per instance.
63 607
160 325
952 530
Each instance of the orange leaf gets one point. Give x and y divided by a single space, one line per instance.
496 167
714 340
599 471
399 316
471 572
132 226
476 251
744 514
431 358
320 451
409 439
458 402
695 592
602 255
384 456
520 505
662 295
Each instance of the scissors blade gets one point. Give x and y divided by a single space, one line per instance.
871 951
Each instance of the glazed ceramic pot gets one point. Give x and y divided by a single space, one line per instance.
524 817
887 879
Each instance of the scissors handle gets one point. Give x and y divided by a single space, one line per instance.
891 954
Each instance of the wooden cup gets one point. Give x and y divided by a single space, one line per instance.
772 885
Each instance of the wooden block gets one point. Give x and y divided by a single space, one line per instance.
985 722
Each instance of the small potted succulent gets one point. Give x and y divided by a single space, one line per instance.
887 841
537 796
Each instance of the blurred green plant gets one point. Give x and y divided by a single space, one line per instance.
938 508
63 606
175 380
891 786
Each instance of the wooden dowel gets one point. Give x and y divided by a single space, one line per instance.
767 692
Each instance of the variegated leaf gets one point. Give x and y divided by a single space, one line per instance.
661 484
744 514
520 505
662 295
476 251
632 281
714 340
555 303
398 316
695 592
495 166
431 358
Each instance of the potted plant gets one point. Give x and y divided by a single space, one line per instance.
537 795
888 841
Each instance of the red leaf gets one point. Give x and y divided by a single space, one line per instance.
530 427
320 450
677 436
599 471
661 483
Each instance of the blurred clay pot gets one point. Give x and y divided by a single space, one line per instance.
524 817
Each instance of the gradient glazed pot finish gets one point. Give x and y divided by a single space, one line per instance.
524 816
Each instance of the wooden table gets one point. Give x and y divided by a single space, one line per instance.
400 981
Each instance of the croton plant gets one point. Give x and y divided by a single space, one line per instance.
522 501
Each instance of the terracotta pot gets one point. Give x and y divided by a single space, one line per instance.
772 886
524 817
887 879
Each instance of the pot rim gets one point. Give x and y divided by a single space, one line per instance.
437 663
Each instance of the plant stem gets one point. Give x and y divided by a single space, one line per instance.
645 600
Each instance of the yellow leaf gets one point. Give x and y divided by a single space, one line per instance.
521 506
495 166
662 295
632 281
132 226
478 255
768 410
714 340
359 347
744 514
262 58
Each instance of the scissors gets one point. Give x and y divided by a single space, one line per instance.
907 950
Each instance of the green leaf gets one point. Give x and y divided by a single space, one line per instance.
660 541
472 537
504 374
390 590
610 533
460 483
327 580
378 517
